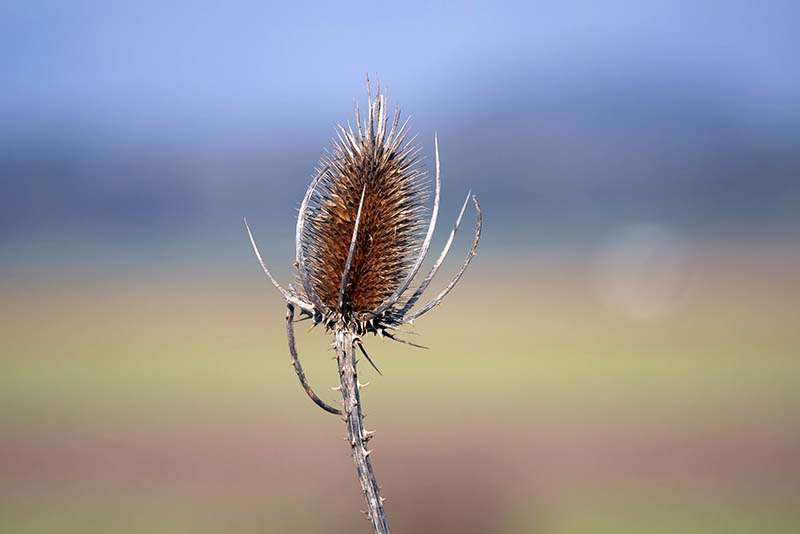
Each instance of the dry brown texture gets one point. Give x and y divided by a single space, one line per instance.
377 157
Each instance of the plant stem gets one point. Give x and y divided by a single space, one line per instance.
357 436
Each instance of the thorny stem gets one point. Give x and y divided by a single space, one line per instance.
344 342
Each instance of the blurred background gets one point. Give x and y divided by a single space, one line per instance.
621 357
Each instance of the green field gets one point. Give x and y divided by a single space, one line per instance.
168 405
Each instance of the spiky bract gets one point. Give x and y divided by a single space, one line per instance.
377 161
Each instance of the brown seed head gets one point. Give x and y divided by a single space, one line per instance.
377 161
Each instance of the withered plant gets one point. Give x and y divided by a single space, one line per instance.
361 240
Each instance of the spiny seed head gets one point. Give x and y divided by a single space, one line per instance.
375 160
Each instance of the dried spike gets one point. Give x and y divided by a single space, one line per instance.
370 128
362 386
348 263
302 269
358 119
364 352
400 330
400 136
403 341
290 297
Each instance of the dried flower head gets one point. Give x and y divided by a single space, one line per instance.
372 177
361 231
361 239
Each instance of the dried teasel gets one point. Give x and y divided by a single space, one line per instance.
361 239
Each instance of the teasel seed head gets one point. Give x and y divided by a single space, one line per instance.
369 186
363 231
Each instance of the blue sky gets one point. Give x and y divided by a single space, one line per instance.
135 116
242 60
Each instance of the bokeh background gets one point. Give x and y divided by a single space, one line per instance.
621 357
